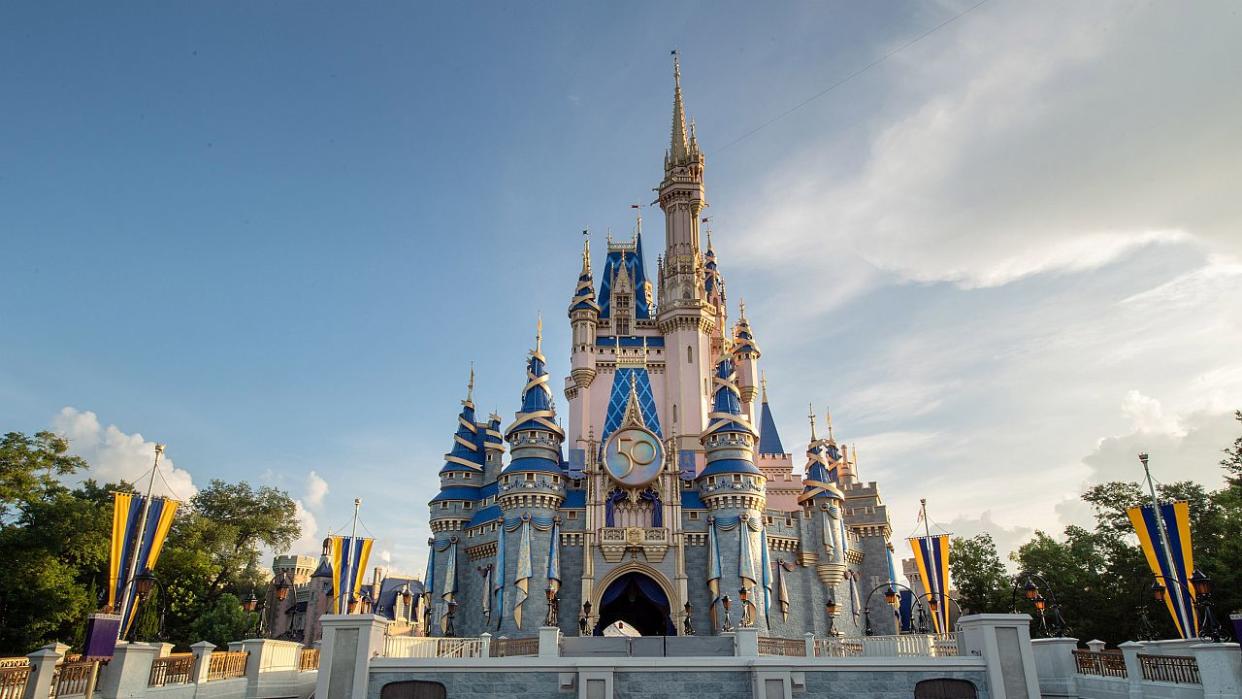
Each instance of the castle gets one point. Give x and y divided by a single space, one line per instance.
666 500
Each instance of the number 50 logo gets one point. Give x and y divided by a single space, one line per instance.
634 456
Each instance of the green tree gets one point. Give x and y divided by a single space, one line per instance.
982 584
225 620
29 466
213 550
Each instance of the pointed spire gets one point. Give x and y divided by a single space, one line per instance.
828 417
470 388
680 148
539 335
763 385
633 411
586 253
811 414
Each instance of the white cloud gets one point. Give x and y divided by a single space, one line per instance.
1147 415
316 490
115 455
1027 139
309 542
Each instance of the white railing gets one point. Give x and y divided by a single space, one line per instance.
418 647
907 645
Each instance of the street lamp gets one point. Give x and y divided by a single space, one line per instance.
251 603
1201 588
831 608
1033 591
744 595
891 597
728 603
687 629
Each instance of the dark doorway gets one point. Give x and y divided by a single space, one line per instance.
638 601
944 689
413 689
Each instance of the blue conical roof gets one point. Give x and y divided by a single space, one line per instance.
769 438
727 417
536 415
467 451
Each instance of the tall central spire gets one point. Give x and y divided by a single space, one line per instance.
679 148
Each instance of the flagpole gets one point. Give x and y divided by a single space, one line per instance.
142 526
934 587
347 564
1168 551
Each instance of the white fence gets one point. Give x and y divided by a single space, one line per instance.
419 647
941 645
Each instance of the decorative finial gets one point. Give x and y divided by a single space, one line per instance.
741 310
539 334
854 454
644 353
586 251
763 384
679 146
470 388
810 407
828 417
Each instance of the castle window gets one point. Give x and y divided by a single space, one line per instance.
444 504
789 521
556 480
689 354
711 480
573 514
467 505
577 482
768 519
737 478
449 475
467 476
674 413
530 477
694 515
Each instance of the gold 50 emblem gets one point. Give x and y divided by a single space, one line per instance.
634 456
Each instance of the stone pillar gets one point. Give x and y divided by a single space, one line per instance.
165 650
549 641
746 642
809 639
1096 646
486 638
1055 666
129 672
1134 673
1220 669
349 642
1004 641
202 661
42 667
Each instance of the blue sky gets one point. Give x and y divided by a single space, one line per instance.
274 236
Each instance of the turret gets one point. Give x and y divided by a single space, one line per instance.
584 321
823 501
493 448
730 478
463 471
534 478
746 356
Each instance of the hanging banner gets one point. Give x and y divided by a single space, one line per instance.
1173 575
931 556
522 578
450 585
713 571
349 561
137 541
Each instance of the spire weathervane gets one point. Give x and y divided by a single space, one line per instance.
539 334
470 388
810 408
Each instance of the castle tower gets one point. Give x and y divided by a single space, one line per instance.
530 492
746 356
685 317
733 489
584 324
827 541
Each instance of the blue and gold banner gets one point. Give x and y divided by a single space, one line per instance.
1173 575
349 563
136 546
931 555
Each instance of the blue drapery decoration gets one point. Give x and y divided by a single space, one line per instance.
767 576
657 510
610 517
905 611
499 580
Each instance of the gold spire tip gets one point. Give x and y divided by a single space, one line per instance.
539 334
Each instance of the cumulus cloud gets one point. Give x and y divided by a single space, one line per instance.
316 490
115 455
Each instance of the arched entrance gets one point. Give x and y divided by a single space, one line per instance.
640 602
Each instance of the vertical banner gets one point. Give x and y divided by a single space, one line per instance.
135 548
931 555
713 570
554 557
450 584
522 578
905 611
349 561
499 584
1173 575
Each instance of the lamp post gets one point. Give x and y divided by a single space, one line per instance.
687 629
553 608
584 620
892 597
746 620
143 583
1201 593
830 607
728 604
449 632
1031 591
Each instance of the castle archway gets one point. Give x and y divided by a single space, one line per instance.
640 601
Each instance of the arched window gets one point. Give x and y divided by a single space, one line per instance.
674 413
689 354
